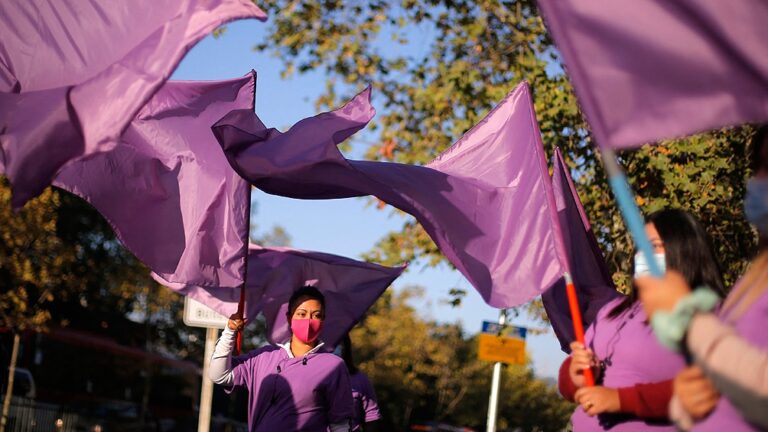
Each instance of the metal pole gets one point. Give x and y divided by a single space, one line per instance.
206 393
493 402
9 389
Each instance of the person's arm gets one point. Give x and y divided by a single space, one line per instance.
646 400
220 368
738 369
370 407
339 396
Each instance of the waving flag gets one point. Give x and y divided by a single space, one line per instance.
486 202
588 269
656 69
74 74
350 288
167 189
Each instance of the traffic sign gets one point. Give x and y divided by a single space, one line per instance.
502 349
197 314
491 327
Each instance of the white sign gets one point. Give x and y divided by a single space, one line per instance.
197 314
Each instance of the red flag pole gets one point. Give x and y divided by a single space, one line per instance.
241 304
578 325
239 313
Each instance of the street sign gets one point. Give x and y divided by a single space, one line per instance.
197 314
503 349
491 327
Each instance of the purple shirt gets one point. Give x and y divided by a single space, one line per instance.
366 408
751 326
633 356
288 394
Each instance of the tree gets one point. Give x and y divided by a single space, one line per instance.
61 265
476 52
31 262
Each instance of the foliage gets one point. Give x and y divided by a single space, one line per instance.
438 66
32 261
61 265
424 371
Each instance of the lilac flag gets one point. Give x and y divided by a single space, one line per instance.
73 74
350 287
588 269
656 69
167 189
487 201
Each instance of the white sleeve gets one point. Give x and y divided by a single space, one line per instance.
220 369
340 427
679 415
738 368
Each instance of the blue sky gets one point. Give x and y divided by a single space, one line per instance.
347 227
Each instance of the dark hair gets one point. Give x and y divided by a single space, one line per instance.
687 249
346 354
756 149
305 292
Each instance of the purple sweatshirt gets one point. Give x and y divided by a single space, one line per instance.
366 408
288 394
632 355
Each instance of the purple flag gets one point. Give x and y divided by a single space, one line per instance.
588 269
74 74
487 201
657 69
167 189
350 287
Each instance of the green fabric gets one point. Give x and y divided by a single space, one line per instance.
670 327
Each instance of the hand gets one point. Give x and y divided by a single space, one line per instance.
695 391
581 358
597 400
661 294
236 322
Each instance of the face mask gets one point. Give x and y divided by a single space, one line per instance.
756 204
306 330
641 265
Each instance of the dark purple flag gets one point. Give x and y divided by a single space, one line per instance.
73 74
167 188
656 69
487 201
350 287
588 269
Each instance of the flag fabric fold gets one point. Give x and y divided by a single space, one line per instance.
73 75
585 260
167 189
650 70
350 288
486 201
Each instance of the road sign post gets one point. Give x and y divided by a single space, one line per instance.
197 314
500 343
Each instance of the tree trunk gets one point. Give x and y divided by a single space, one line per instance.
11 374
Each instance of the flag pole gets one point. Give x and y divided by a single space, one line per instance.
629 210
241 303
578 324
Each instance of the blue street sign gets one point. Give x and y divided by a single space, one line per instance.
504 330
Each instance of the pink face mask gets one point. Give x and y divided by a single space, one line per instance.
306 330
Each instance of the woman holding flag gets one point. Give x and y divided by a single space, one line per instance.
633 371
729 346
291 386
